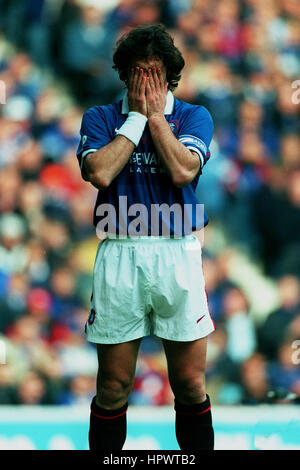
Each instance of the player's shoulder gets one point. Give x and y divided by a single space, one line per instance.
193 110
100 111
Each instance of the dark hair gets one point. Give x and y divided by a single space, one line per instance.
144 42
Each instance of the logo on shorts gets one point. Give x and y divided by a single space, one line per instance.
199 319
92 316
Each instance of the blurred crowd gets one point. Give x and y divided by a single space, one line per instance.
242 58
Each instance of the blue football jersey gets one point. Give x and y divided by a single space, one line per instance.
143 191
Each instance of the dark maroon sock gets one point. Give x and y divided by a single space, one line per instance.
194 430
107 428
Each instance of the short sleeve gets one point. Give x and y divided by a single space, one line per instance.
93 135
196 133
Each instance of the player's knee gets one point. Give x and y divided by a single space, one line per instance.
114 391
189 389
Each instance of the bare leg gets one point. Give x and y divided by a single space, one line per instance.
117 364
108 426
186 367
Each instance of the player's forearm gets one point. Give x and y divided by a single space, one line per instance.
181 164
105 164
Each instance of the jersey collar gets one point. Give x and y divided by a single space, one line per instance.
168 107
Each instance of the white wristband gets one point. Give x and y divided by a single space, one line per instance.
133 127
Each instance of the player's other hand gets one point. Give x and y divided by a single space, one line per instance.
156 92
137 91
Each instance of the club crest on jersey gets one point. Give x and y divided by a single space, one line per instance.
174 126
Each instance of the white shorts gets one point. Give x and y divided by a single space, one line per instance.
148 285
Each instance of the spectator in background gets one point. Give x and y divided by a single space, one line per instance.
241 335
34 389
30 160
151 386
147 12
12 250
64 296
81 216
216 286
39 302
75 355
37 270
55 237
254 379
290 152
49 106
29 349
284 374
60 137
7 385
10 182
288 113
80 391
31 390
278 221
271 333
251 169
230 44
220 93
86 54
13 300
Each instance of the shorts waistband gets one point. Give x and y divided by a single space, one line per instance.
150 238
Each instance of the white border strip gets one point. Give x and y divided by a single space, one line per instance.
226 414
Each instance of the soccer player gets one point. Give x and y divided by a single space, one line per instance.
145 155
